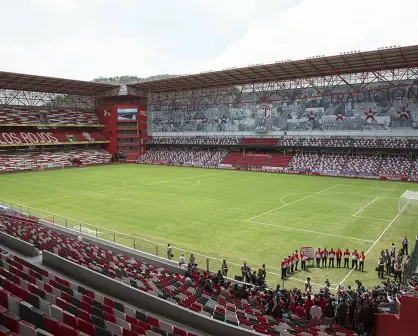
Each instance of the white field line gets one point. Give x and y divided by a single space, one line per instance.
287 204
301 193
373 218
367 187
365 206
122 188
373 245
310 231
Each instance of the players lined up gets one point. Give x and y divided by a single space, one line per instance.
324 258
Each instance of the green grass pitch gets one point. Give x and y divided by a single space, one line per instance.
220 214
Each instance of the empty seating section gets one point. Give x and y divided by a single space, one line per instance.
249 141
395 166
303 161
259 160
365 164
188 155
33 300
232 158
194 141
56 305
268 141
357 143
19 161
278 160
331 162
24 116
414 169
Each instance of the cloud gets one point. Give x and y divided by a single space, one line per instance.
321 27
87 39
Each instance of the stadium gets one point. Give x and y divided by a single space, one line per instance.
200 204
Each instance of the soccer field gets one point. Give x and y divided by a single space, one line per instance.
220 214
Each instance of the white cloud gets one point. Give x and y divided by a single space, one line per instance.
322 27
86 39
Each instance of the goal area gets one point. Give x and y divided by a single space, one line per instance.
408 203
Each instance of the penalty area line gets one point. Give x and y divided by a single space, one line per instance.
287 204
371 202
310 231
371 247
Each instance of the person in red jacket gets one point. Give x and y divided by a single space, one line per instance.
318 255
361 259
324 257
299 310
284 268
347 258
354 259
292 263
338 255
289 262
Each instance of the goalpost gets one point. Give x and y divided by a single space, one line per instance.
406 200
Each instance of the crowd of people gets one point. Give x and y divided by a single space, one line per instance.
350 308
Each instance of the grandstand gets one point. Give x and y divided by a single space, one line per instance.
62 279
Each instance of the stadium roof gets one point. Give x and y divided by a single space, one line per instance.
384 59
14 81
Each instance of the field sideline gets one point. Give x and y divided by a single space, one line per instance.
220 214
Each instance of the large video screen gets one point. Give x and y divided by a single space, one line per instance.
127 114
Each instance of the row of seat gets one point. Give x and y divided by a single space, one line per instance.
390 166
291 142
33 299
24 116
156 281
188 155
25 160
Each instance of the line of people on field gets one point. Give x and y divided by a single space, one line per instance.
289 264
325 258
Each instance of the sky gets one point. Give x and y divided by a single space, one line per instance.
85 39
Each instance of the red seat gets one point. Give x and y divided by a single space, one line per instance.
86 327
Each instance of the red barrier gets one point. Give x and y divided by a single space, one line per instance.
37 136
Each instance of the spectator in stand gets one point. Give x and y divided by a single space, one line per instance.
405 244
224 268
339 255
331 258
316 311
188 281
318 256
329 313
346 258
299 310
324 257
296 260
308 305
342 310
169 252
354 259
361 259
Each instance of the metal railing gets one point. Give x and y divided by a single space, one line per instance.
150 246
411 269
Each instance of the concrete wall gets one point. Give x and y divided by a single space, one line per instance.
17 244
141 299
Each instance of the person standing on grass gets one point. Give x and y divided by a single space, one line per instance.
303 259
292 263
381 267
346 258
354 259
296 260
192 259
388 261
393 250
169 252
224 268
405 244
284 268
182 260
318 255
331 258
361 259
339 255
324 257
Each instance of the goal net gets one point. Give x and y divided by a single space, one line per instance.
408 202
